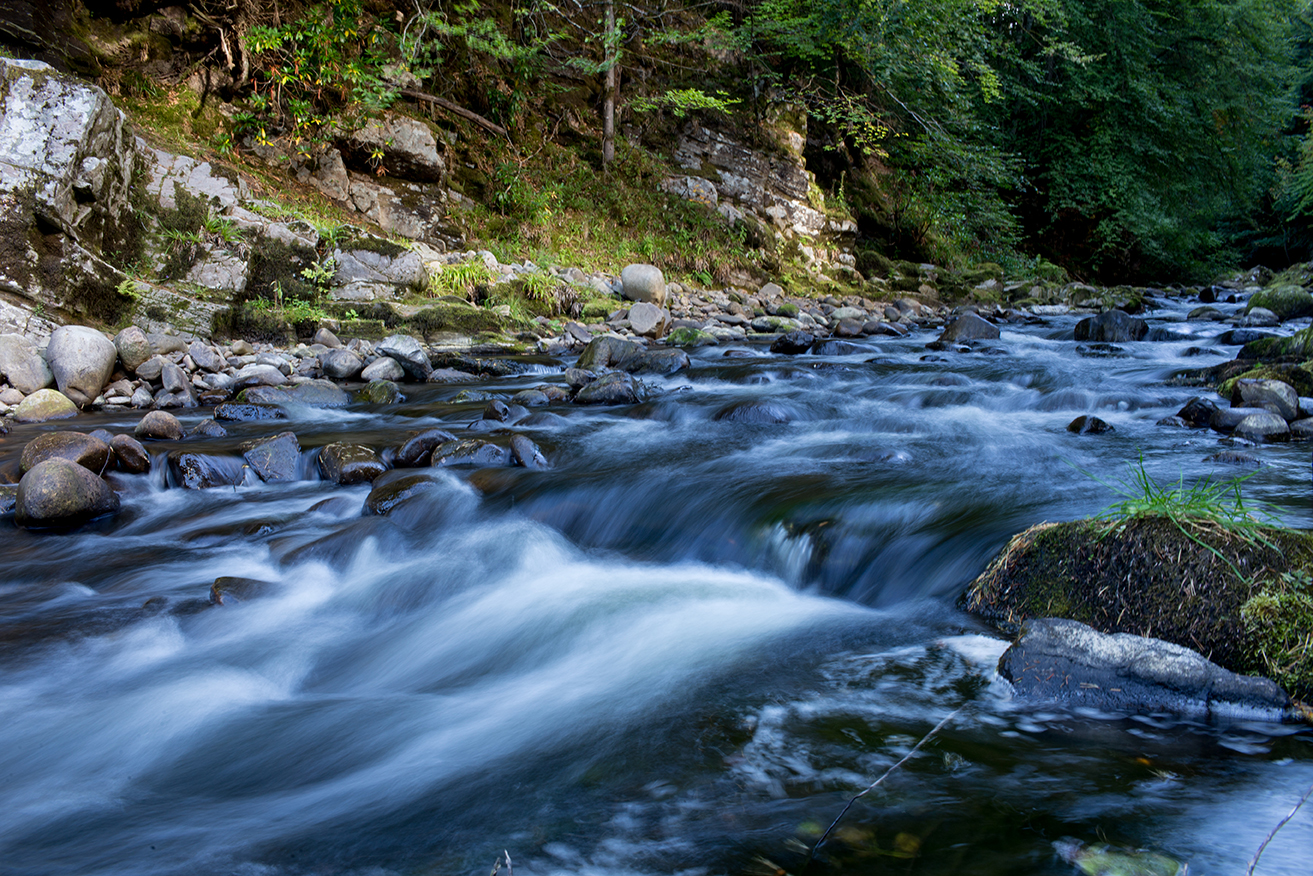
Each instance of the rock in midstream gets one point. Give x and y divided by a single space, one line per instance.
87 451
58 493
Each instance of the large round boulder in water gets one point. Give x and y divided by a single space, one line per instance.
1262 426
87 451
969 326
346 464
1113 326
131 456
1276 396
58 492
757 413
45 405
82 360
408 353
792 343
613 388
275 459
159 426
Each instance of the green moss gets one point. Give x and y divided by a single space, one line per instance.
598 309
1287 302
983 273
690 337
276 271
789 309
462 318
378 245
252 323
1296 375
872 263
1298 347
1279 623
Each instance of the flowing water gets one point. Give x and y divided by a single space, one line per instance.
680 650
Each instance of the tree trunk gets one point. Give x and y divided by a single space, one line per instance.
608 99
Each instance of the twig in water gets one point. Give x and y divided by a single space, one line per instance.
496 866
1282 823
871 787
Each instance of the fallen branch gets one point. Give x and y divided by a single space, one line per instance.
457 109
871 787
1282 823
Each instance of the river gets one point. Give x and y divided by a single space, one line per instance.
678 651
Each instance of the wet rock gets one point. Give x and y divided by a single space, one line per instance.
1102 859
527 454
605 352
657 362
792 343
388 494
89 452
275 459
1113 326
45 405
8 499
381 392
408 353
688 336
341 364
1173 422
1089 425
497 410
1262 426
248 413
227 589
450 375
82 360
969 326
755 413
206 357
1233 457
643 283
838 348
1198 412
1261 317
466 396
257 374
199 471
1302 429
130 455
849 328
22 365
159 426
312 393
346 464
470 451
418 448
531 398
613 388
384 368
58 493
207 429
1226 419
1273 395
1242 336
1068 661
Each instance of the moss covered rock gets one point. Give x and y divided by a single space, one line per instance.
1149 577
1287 302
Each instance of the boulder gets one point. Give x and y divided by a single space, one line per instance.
657 362
1273 395
613 388
1226 419
327 338
152 368
346 464
311 393
470 451
401 146
688 336
45 405
526 454
607 352
174 379
1198 412
1056 659
159 426
1283 302
792 343
58 492
756 413
384 369
649 320
643 283
248 413
208 429
1113 326
86 450
386 496
82 360
134 348
418 448
257 374
200 471
22 365
341 364
206 357
1089 425
969 326
130 455
275 458
1263 427
381 392
408 353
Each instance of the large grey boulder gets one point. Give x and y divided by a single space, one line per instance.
1068 661
58 492
970 326
87 451
408 353
22 364
643 283
275 458
135 349
383 369
45 405
649 320
403 269
82 360
401 146
341 364
206 357
1113 326
1273 395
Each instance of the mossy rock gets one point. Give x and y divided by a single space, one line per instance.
254 324
368 329
1146 577
1278 622
598 309
464 319
370 243
691 337
1300 274
1287 302
1296 348
1296 375
872 263
906 284
789 309
983 273
1047 273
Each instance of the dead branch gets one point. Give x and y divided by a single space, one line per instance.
458 110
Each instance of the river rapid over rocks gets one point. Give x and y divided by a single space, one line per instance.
679 648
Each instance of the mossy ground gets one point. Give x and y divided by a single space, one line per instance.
1149 578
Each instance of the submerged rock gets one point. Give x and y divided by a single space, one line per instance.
199 471
1088 424
1065 660
1102 859
1113 326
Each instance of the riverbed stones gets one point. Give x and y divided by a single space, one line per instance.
386 496
969 326
384 368
82 360
688 336
469 451
59 493
418 448
45 405
643 283
612 388
129 454
1226 419
258 374
1064 660
248 413
22 365
408 353
648 319
381 392
1087 424
1112 326
206 357
792 343
1263 427
274 458
526 454
86 450
762 412
607 352
159 426
1274 395
174 379
1197 412
346 463
341 364
200 471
